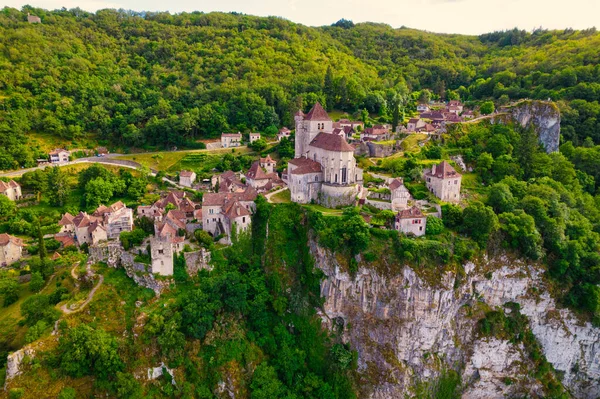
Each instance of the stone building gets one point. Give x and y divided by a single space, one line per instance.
161 256
324 168
444 182
115 218
284 132
399 195
11 249
229 140
59 155
12 190
254 137
187 178
411 221
222 212
33 19
268 164
178 199
260 180
415 125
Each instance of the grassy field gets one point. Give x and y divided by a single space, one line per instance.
169 160
411 143
48 142
281 197
323 210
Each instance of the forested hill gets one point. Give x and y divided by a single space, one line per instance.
159 79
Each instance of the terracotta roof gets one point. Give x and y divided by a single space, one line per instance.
410 213
81 220
331 142
348 130
56 256
65 239
212 199
268 159
429 127
185 173
5 239
165 229
444 171
396 183
66 219
454 102
6 185
254 134
235 135
227 175
256 173
413 120
373 132
299 113
234 209
116 206
95 226
317 113
198 214
58 151
304 166
284 130
187 205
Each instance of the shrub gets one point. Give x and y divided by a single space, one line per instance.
434 225
37 282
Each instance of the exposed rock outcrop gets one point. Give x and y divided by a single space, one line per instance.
406 330
14 362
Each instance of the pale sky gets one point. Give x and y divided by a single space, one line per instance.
447 16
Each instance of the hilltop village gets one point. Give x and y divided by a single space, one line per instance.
323 171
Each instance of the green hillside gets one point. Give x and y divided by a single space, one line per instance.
158 80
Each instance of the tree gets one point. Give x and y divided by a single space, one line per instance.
259 145
98 191
265 384
286 148
520 228
37 282
487 108
203 238
452 215
479 221
500 198
7 207
58 187
37 307
83 350
9 289
434 225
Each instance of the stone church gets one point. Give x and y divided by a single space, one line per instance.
324 168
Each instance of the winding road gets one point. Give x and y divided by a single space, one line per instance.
90 296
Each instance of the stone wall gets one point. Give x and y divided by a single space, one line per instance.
196 261
374 149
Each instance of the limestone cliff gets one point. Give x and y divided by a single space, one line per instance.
407 330
543 116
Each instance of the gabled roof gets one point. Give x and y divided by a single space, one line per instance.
331 142
254 134
213 199
299 113
232 135
413 120
267 160
5 239
285 130
410 213
396 183
234 209
444 171
6 185
317 113
66 219
81 220
256 173
95 226
58 151
185 173
304 166
65 239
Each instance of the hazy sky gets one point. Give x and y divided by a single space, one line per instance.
450 16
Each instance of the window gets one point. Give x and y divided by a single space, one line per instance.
336 177
315 157
160 251
211 211
344 177
316 178
244 219
421 228
455 181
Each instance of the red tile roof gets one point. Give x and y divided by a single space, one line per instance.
66 219
304 166
444 171
331 142
256 173
233 135
5 239
185 173
395 184
410 213
317 113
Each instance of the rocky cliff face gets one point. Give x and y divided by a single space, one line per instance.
545 119
406 331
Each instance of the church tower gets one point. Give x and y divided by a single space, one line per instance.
309 125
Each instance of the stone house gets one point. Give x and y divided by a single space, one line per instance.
161 256
177 199
221 212
411 221
88 229
284 132
399 194
33 19
415 124
11 249
187 178
455 107
254 137
467 114
444 182
229 140
59 155
260 180
66 224
372 134
268 164
324 167
12 190
422 107
115 218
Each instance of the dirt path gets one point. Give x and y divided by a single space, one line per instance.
268 196
90 296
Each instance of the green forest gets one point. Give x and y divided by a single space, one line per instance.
160 80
